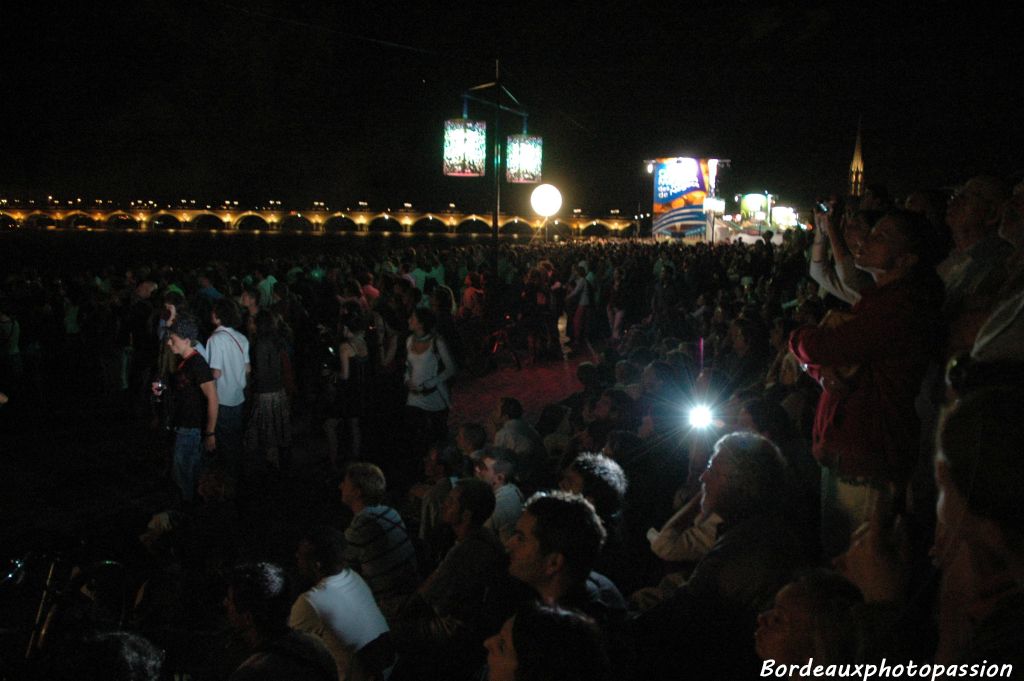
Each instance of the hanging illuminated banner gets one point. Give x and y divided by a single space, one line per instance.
465 147
524 154
680 187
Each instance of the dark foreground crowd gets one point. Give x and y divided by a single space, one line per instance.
781 458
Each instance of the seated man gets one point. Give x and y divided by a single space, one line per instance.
448 617
257 607
339 608
515 434
601 481
497 467
553 549
378 545
470 440
712 617
442 466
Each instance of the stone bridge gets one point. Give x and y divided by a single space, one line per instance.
316 221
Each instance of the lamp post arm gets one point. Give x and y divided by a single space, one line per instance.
493 105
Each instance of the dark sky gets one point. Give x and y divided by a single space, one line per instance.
344 101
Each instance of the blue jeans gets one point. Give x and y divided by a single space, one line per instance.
188 460
229 439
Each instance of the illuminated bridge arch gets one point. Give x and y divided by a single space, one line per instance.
207 222
162 221
296 224
596 229
78 219
560 229
121 220
384 223
474 224
40 221
8 222
250 222
429 225
340 223
516 226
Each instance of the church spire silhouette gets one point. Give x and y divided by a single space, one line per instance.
857 168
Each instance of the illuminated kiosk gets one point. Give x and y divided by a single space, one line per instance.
758 214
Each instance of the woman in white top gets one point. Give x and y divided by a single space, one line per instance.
428 367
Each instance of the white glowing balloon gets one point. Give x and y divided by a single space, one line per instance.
546 200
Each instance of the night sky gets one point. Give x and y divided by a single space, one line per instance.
345 101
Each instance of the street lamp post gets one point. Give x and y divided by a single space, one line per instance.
465 144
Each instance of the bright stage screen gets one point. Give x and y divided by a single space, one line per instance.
524 154
465 147
680 187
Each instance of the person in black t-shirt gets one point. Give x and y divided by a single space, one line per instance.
194 405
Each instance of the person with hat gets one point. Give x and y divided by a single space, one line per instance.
193 405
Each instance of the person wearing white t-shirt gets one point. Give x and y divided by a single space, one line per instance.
227 352
339 609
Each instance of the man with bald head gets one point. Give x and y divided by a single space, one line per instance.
976 272
1001 338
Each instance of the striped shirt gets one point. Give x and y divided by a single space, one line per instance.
380 550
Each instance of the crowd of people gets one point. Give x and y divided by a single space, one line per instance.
796 452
